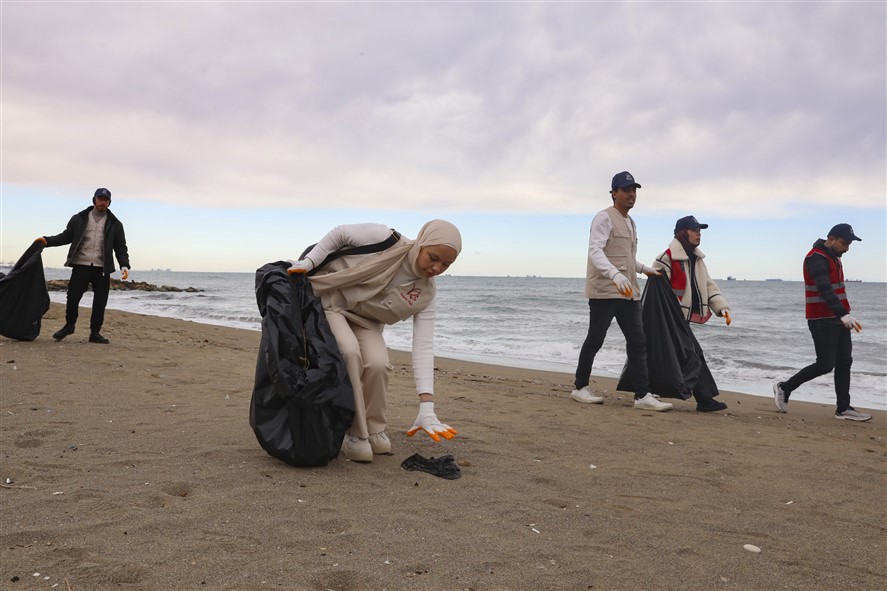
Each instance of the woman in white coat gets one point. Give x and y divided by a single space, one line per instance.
683 263
361 293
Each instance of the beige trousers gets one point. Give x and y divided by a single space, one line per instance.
366 359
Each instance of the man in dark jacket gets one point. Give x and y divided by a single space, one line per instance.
93 234
829 321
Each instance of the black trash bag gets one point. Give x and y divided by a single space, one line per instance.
444 466
24 298
675 360
302 401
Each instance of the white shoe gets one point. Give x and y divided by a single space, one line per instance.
379 443
851 414
779 398
651 402
357 449
585 396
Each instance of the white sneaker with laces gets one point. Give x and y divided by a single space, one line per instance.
357 449
585 396
779 398
379 443
652 402
851 414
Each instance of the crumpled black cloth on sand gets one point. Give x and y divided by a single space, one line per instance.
444 466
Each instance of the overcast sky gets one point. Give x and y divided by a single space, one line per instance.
231 134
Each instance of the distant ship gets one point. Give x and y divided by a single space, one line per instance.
853 281
731 278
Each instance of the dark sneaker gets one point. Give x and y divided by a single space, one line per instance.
63 332
97 338
779 398
710 406
851 414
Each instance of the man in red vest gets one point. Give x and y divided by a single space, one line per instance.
829 321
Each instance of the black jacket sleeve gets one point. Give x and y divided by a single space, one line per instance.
120 249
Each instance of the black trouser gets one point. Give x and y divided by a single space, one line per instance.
81 277
834 351
628 317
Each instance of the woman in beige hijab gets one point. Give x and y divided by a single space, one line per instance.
361 293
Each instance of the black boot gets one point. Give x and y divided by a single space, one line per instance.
709 405
63 332
97 338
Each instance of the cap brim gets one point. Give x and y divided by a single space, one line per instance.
703 226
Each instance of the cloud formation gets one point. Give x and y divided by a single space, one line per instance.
730 107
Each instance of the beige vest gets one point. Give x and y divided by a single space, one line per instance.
621 250
390 306
92 246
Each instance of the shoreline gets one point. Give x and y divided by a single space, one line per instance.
132 466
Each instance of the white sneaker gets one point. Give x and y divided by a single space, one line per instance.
585 396
357 449
651 402
779 398
851 414
379 443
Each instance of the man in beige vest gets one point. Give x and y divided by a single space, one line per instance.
612 290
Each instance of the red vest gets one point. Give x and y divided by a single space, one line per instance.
816 306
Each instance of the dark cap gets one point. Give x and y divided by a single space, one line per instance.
622 180
844 231
102 193
688 223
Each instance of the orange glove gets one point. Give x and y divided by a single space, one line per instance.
727 318
427 421
40 239
623 285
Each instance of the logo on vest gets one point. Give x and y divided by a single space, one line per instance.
411 296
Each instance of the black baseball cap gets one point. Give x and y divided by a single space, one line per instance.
622 180
844 231
688 223
102 192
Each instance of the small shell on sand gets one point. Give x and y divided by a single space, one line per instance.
752 548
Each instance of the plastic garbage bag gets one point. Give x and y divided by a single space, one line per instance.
675 360
23 296
302 401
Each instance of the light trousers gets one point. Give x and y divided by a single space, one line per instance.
366 360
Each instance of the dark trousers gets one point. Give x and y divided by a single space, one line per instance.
834 351
628 317
81 277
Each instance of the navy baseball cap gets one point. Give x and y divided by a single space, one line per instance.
622 180
844 231
102 192
688 223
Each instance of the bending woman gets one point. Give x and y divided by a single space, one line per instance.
361 293
682 263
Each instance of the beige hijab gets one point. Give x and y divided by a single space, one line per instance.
361 282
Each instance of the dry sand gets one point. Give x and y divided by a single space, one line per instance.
132 467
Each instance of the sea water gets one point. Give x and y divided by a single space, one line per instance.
541 322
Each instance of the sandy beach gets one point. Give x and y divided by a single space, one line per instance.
132 466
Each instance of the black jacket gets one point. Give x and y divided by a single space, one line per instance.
115 239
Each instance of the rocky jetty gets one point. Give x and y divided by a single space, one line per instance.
62 285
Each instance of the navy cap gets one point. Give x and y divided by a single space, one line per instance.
102 193
622 180
844 231
688 223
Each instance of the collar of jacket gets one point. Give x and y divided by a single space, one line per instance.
679 254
